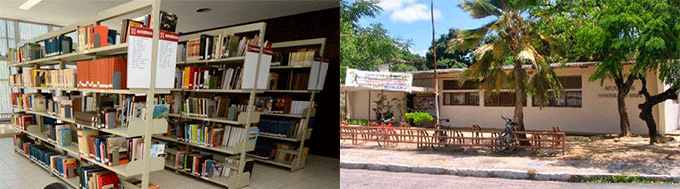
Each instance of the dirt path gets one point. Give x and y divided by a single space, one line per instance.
595 154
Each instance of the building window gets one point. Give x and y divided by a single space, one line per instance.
455 84
571 97
461 98
501 99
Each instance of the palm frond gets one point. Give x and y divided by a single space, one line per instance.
530 54
470 39
480 9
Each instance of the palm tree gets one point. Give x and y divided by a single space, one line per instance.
507 40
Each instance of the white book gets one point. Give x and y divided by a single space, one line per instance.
322 76
225 137
313 75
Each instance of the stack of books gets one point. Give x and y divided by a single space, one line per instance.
23 120
206 165
279 127
63 166
109 149
219 107
64 106
58 46
94 36
106 73
25 53
97 177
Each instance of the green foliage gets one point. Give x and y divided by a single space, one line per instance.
450 58
626 179
357 122
419 117
402 67
509 40
366 48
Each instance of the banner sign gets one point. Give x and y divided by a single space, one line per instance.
379 80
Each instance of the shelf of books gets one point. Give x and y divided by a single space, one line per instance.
90 123
212 115
287 105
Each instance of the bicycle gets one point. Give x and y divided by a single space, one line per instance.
507 141
384 133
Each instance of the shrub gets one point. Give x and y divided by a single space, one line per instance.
419 117
357 121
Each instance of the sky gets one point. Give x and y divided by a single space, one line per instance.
410 19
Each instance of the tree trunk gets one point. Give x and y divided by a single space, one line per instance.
623 114
648 105
623 89
519 101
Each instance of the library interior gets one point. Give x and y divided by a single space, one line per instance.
168 94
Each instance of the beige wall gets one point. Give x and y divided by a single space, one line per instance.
359 104
598 114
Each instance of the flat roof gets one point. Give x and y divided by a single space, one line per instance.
414 89
528 66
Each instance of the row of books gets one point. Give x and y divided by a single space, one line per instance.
168 23
63 166
303 57
207 165
60 133
23 120
214 47
95 36
215 135
25 53
31 101
95 177
279 127
217 107
221 77
58 46
313 79
36 77
284 105
64 106
106 73
111 150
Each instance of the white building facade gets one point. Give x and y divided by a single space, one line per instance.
585 107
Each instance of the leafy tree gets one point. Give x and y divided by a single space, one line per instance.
448 58
514 43
602 31
658 51
366 48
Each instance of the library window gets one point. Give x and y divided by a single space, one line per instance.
501 99
28 31
461 98
7 39
571 97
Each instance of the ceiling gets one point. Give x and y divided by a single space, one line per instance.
224 12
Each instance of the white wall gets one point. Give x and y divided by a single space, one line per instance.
597 114
359 103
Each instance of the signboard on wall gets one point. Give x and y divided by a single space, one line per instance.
379 80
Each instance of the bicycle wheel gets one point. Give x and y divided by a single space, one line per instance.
499 144
511 143
380 137
439 138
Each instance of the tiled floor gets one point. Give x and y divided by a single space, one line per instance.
16 171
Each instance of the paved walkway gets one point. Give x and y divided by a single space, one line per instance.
352 178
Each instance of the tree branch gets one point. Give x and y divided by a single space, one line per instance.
644 91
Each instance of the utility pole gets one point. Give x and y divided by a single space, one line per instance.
434 61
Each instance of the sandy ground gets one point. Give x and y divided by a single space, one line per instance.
593 154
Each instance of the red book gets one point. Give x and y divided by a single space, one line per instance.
120 66
98 36
107 181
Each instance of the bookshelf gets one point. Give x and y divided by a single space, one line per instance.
242 120
304 132
144 128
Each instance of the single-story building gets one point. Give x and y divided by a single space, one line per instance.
584 107
360 101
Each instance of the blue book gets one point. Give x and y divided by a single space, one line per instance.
65 136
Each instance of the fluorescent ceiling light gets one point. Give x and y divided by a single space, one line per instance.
28 4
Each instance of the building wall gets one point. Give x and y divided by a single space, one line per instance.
359 104
597 114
